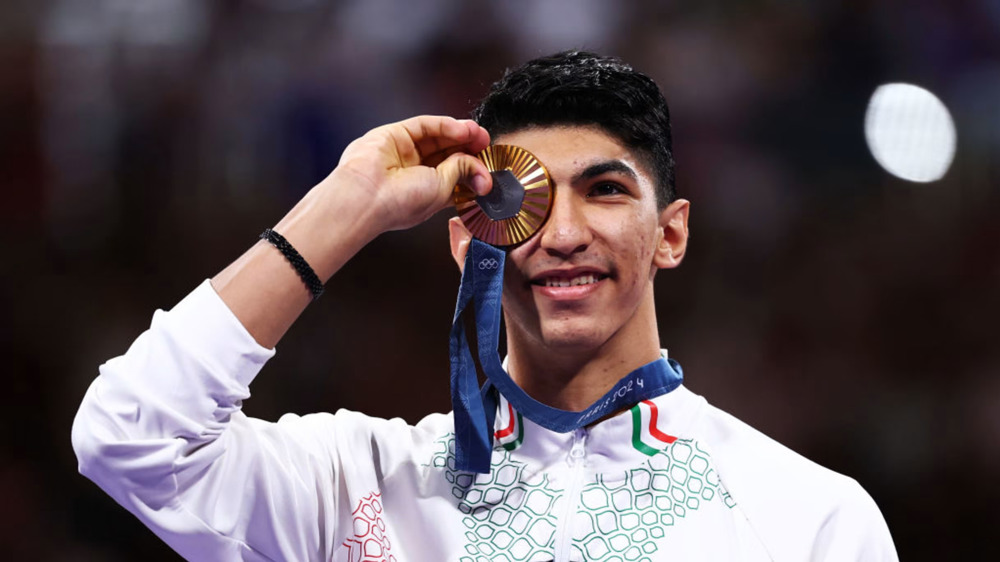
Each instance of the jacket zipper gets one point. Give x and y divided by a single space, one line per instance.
576 459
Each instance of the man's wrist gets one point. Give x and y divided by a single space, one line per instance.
301 266
329 225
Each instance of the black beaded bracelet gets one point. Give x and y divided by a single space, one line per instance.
300 264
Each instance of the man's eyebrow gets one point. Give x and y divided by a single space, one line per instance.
605 167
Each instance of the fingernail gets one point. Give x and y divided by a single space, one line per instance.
480 184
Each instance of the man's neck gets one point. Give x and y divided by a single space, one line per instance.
574 378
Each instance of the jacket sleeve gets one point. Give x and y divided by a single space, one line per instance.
161 431
856 530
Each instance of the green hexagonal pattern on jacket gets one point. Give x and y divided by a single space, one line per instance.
510 515
622 516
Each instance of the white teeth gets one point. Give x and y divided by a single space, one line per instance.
579 280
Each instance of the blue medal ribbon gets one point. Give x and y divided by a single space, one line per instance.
475 334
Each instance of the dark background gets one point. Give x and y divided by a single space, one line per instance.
848 314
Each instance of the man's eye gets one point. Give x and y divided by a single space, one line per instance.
603 189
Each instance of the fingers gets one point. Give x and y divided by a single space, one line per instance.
410 168
467 170
436 158
432 135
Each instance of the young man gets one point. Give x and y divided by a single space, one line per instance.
666 478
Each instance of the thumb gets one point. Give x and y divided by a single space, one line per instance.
467 170
460 238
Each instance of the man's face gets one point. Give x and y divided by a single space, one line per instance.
586 277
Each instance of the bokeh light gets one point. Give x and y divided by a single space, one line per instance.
910 132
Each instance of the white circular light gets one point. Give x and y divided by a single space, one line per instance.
910 132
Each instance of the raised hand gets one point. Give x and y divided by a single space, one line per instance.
393 177
407 170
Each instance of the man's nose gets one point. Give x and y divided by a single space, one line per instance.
566 231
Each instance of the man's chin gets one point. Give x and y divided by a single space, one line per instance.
574 339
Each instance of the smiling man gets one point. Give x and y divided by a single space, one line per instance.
657 475
578 296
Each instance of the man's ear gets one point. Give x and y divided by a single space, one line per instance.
460 238
674 222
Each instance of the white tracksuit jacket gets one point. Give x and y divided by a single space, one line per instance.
672 479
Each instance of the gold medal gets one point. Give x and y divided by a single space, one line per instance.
518 204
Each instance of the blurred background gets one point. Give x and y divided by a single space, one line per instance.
847 312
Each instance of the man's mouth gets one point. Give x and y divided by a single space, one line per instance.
569 278
586 279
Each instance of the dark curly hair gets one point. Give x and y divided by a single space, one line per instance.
582 88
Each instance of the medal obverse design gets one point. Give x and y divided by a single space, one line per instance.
518 204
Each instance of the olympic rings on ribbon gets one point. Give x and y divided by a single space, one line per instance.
489 263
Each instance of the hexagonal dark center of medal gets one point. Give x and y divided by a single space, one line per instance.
505 199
